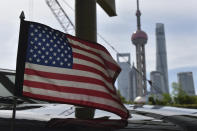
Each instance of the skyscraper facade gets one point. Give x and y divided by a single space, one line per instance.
161 55
123 59
157 87
132 89
186 82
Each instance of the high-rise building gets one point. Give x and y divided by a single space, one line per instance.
132 90
123 59
161 55
157 87
186 82
139 39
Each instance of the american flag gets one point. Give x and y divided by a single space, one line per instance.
62 68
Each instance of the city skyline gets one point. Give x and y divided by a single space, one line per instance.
180 26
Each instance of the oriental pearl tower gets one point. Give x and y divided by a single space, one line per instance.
139 39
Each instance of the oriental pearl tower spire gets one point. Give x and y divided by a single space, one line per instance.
139 39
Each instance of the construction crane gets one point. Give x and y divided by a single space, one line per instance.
60 15
65 21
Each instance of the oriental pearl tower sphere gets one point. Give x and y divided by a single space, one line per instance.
139 39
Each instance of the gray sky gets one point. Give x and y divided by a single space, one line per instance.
179 17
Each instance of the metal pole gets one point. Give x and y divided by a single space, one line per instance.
22 17
86 28
13 114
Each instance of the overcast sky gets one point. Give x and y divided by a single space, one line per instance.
179 17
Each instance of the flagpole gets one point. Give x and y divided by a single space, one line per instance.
22 17
13 113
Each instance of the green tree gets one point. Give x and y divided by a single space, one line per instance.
176 89
180 97
123 99
167 99
151 100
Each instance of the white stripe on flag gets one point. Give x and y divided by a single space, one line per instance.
106 56
90 64
110 72
65 83
88 55
69 72
72 96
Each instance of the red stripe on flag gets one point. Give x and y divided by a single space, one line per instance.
93 70
86 50
83 57
73 90
96 46
110 64
80 102
68 78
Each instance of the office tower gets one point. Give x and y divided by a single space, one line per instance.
139 39
132 90
161 55
123 60
186 82
157 88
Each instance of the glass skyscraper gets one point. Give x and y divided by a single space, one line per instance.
123 60
132 90
161 55
157 87
186 82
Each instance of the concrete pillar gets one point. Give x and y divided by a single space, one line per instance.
85 19
86 28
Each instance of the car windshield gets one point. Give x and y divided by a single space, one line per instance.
7 82
144 117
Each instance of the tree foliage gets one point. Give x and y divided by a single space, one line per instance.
123 99
166 100
178 98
